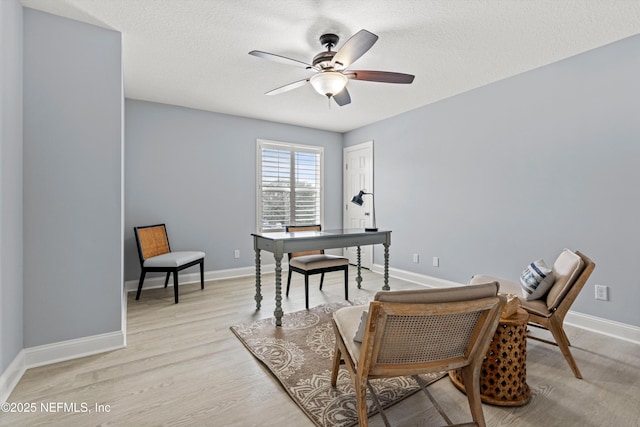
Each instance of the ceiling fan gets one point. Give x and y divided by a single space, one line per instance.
331 67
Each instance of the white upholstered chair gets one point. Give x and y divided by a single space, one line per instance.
156 255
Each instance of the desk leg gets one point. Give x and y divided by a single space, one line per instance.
359 276
278 311
386 267
258 296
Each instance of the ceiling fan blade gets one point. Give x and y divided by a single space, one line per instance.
354 48
287 87
279 58
380 76
342 98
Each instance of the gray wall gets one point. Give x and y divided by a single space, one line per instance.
517 170
72 179
10 182
196 172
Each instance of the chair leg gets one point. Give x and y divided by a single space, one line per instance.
166 280
361 403
202 274
306 291
288 281
142 274
560 336
337 355
321 280
175 285
471 379
346 283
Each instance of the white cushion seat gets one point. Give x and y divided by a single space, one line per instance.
173 259
538 306
348 320
314 262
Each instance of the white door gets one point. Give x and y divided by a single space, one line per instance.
358 175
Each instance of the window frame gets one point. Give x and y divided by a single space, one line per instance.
292 148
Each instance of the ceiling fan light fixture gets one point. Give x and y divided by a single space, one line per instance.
332 68
329 83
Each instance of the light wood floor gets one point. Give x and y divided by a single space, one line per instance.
183 367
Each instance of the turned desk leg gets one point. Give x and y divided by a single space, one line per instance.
386 267
258 296
359 276
278 311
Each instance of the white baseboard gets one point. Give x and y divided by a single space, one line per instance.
10 377
186 278
419 279
603 326
56 352
73 349
583 321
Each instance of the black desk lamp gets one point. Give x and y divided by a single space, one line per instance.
357 199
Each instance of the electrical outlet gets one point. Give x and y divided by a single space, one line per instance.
436 261
236 253
416 258
602 292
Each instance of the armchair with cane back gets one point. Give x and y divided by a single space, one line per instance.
418 332
570 271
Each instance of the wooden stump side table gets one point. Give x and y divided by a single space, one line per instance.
503 373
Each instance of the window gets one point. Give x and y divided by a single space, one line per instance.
289 185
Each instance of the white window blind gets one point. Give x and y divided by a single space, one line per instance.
289 185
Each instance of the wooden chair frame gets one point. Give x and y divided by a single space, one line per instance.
470 362
161 248
555 322
549 318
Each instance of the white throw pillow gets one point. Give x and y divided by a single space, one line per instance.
536 280
359 336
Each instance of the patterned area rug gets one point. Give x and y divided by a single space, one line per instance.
300 353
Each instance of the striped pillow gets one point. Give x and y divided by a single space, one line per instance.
536 280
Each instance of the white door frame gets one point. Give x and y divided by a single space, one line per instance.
366 252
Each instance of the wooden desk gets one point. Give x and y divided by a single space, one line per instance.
280 243
503 376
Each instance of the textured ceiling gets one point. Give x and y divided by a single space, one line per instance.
194 53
